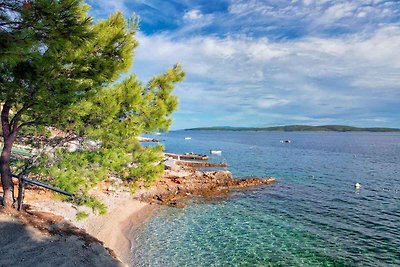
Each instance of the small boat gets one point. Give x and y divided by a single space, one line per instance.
216 152
285 141
188 138
158 133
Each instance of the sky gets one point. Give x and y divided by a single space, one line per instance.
261 63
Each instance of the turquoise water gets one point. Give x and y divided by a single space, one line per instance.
312 216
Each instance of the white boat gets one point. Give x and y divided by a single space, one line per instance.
158 133
217 152
188 138
285 141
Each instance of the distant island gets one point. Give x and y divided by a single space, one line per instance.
299 128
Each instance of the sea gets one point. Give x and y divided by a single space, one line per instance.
312 216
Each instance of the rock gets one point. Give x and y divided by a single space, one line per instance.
178 185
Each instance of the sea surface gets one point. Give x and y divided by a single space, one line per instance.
312 215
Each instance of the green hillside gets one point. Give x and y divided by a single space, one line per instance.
300 128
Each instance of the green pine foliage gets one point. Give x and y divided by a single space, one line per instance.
59 68
114 118
81 215
93 203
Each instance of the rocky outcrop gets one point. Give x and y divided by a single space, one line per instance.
176 185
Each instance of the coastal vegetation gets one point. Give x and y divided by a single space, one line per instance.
60 69
300 128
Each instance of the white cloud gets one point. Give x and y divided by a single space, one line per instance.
270 102
262 50
270 61
193 14
362 14
337 12
235 58
311 16
308 2
315 76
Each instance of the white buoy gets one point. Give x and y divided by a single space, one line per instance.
357 185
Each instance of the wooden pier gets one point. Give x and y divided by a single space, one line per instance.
186 156
200 164
148 140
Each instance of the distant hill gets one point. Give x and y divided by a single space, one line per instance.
300 128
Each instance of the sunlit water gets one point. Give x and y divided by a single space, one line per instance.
312 216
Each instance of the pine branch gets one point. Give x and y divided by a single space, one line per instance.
17 116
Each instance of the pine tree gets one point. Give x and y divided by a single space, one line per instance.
59 68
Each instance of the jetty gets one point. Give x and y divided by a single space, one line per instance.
148 140
191 160
186 156
188 163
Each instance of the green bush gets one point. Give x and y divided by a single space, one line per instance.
81 215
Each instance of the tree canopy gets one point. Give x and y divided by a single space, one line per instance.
60 68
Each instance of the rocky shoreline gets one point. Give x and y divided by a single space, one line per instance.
176 185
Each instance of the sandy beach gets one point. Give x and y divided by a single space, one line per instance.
123 214
114 227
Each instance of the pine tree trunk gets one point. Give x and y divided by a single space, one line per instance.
5 171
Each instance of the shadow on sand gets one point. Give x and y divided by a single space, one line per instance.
23 245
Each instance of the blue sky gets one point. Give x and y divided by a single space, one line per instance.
272 62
